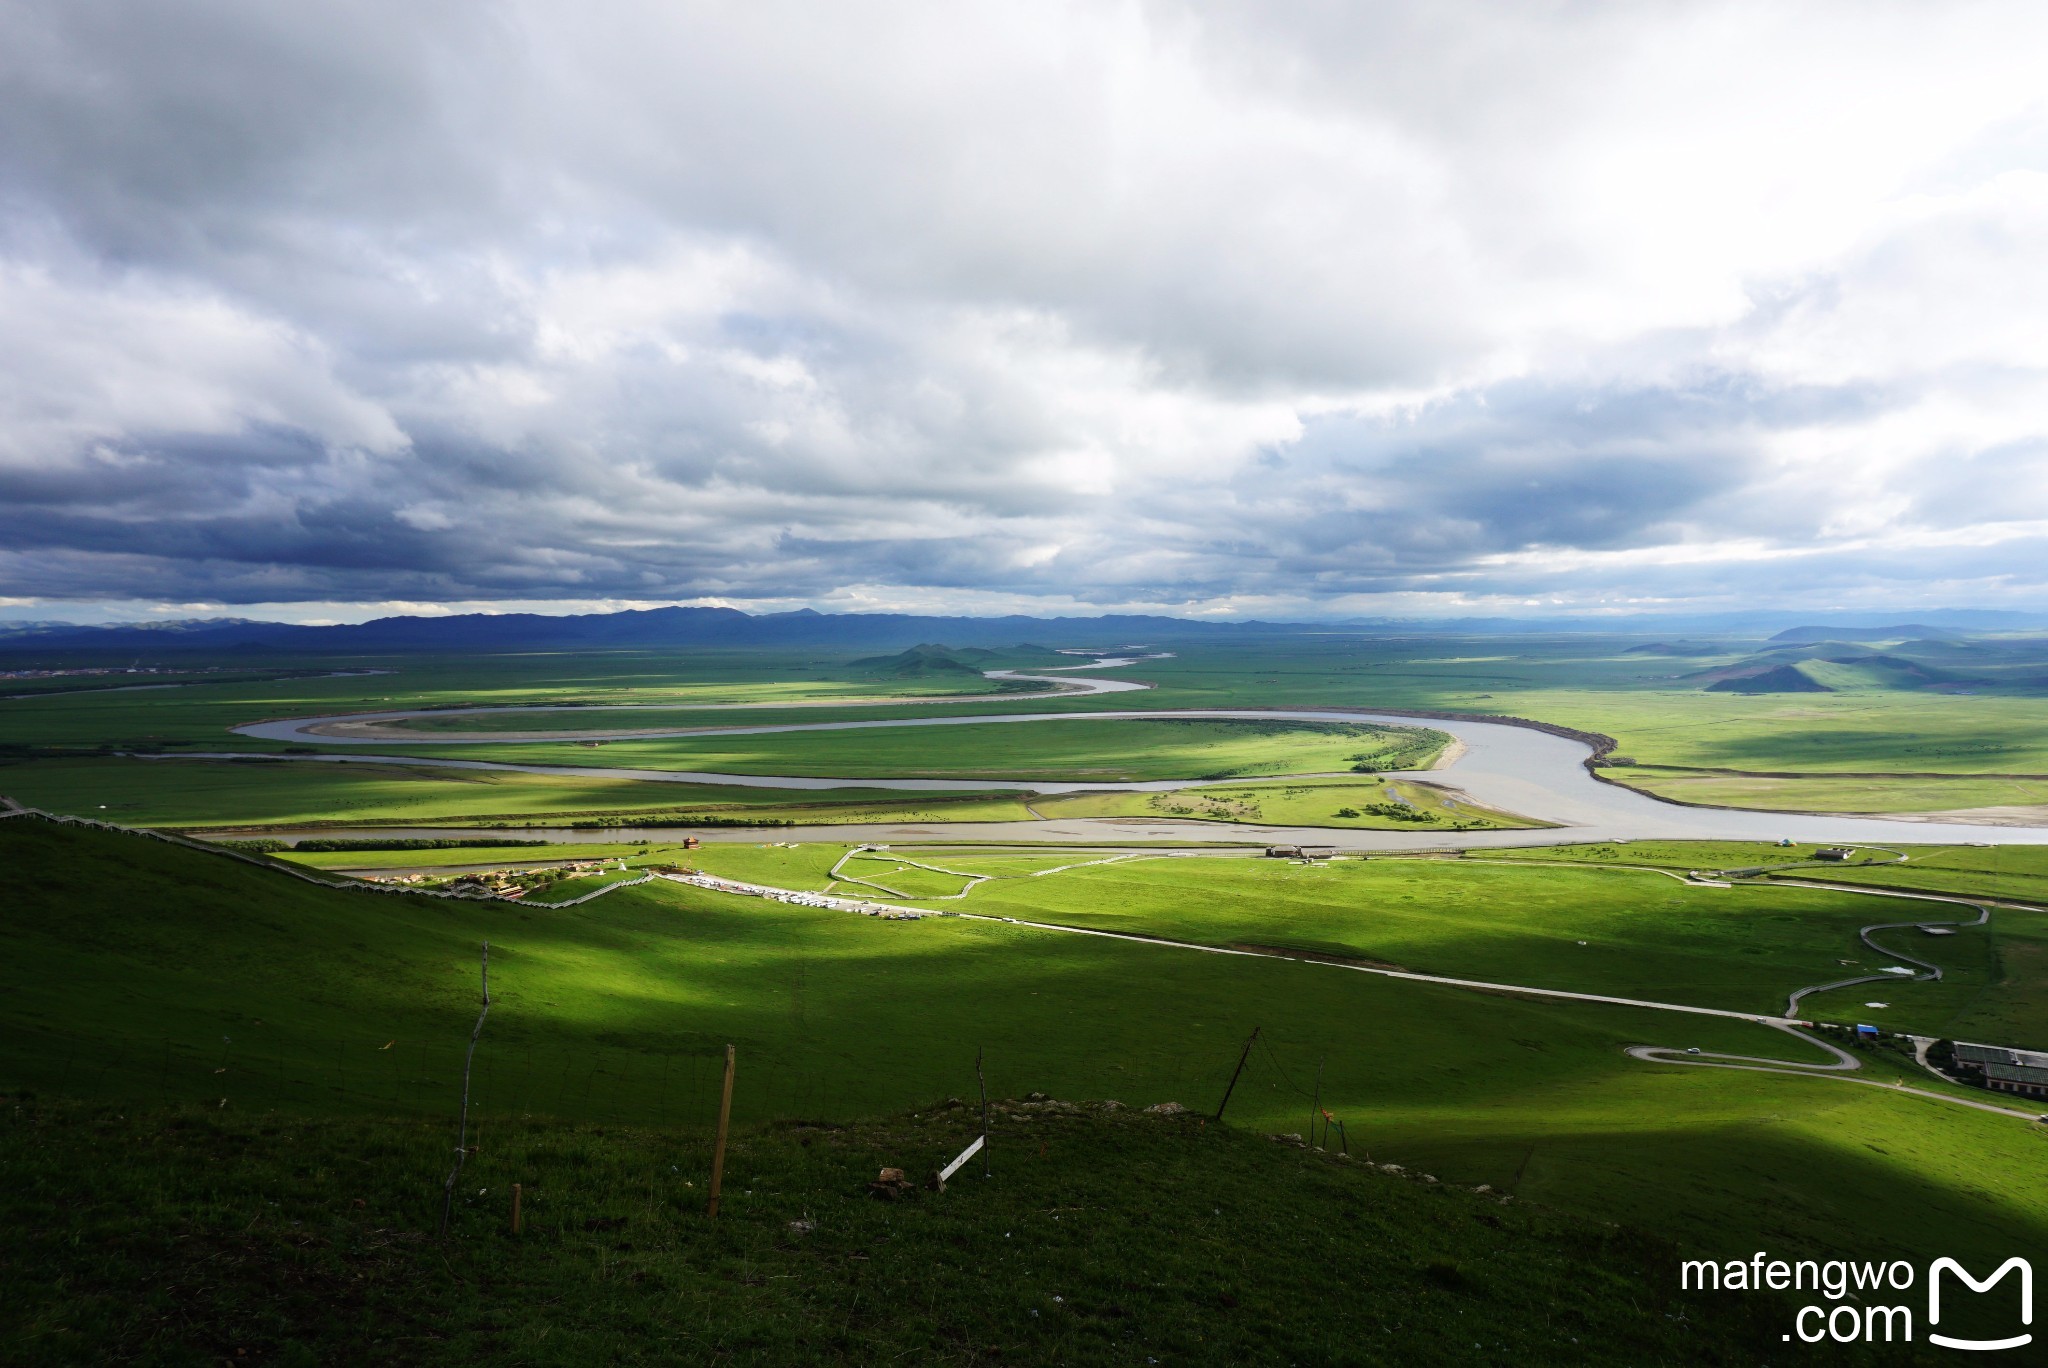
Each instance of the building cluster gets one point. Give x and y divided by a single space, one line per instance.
504 883
2005 1070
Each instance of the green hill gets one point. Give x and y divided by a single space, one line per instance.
923 662
1771 679
248 1038
1827 667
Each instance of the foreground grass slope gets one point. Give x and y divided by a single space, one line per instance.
149 975
1100 1237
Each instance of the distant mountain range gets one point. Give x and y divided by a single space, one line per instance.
1901 632
639 628
806 629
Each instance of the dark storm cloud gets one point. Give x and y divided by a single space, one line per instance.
1196 304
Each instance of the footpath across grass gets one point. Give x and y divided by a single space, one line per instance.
1101 1236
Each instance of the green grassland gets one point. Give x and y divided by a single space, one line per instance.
2007 1003
911 881
1098 750
1835 793
126 1246
1658 718
145 974
2011 871
220 1007
1486 916
1645 935
1358 804
204 712
240 793
1988 747
167 976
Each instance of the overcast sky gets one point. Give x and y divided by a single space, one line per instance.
321 311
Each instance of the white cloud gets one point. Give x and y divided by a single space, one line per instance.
1196 305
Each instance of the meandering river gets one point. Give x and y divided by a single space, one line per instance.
1512 768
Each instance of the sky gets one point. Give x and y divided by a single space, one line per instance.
322 311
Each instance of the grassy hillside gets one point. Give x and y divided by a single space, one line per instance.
149 976
1100 1237
1627 934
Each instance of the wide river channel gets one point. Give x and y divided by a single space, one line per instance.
1516 769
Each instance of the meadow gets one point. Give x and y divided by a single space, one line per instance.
1585 918
1347 803
2006 1005
1837 793
246 992
1930 750
1612 931
1105 750
184 793
188 1039
1794 752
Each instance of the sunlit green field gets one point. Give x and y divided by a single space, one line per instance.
205 712
1360 803
1997 743
2009 1004
249 991
1836 793
1100 750
1615 931
1994 744
198 793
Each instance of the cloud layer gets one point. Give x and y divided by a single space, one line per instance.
1225 308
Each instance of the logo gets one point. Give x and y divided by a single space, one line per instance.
1855 1288
2026 1271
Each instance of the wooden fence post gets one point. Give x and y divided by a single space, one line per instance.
518 1218
724 1120
1249 1042
982 1079
462 1125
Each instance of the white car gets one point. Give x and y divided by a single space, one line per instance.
1692 1049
